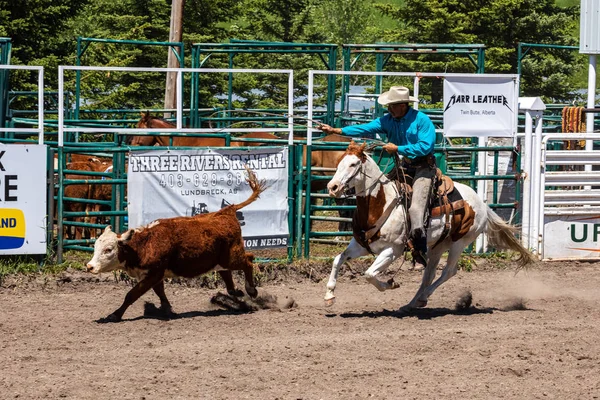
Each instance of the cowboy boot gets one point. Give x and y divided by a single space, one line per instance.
419 250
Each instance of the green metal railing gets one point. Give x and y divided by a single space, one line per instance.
202 52
383 52
458 162
83 43
524 48
117 204
5 50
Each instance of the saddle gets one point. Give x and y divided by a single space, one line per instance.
460 216
444 200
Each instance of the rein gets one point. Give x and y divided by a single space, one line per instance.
375 181
368 234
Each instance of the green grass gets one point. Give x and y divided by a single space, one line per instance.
466 263
12 265
498 259
567 3
18 265
26 264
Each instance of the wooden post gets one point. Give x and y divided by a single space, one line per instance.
175 35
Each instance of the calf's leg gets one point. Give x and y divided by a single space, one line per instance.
240 260
151 280
165 306
228 279
249 275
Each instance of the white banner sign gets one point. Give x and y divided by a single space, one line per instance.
167 183
571 236
479 106
23 191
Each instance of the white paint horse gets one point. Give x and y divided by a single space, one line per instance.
381 224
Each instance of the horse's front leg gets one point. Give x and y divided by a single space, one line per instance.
420 299
352 251
381 263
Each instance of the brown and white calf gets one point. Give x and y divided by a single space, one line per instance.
180 246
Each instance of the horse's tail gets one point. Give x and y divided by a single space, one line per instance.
502 235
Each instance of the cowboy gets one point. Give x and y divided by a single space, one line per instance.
411 134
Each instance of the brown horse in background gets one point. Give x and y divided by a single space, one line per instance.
325 158
151 122
329 159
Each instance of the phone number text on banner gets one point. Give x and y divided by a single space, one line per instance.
168 183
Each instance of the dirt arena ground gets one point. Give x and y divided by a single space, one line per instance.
533 335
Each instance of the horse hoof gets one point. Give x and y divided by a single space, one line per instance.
405 309
110 319
235 293
393 284
421 304
329 302
252 292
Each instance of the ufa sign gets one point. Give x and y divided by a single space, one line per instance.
22 199
571 236
480 106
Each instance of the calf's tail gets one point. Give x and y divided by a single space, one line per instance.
257 188
502 235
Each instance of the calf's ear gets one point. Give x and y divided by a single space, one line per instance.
125 237
108 228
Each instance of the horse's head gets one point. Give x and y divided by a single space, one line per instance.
348 169
146 122
150 121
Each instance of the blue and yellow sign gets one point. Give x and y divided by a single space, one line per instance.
12 228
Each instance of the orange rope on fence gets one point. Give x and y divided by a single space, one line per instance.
573 122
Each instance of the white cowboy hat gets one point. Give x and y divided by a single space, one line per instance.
396 94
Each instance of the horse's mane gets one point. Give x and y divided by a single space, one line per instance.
160 119
147 117
358 150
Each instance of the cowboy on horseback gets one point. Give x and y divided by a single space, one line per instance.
411 134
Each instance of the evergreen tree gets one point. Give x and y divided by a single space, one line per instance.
500 25
37 29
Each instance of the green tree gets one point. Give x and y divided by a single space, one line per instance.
500 25
277 20
139 20
37 32
143 20
345 21
44 32
262 22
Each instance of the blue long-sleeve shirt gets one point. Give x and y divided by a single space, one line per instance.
414 134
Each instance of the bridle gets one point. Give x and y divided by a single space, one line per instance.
366 233
345 188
